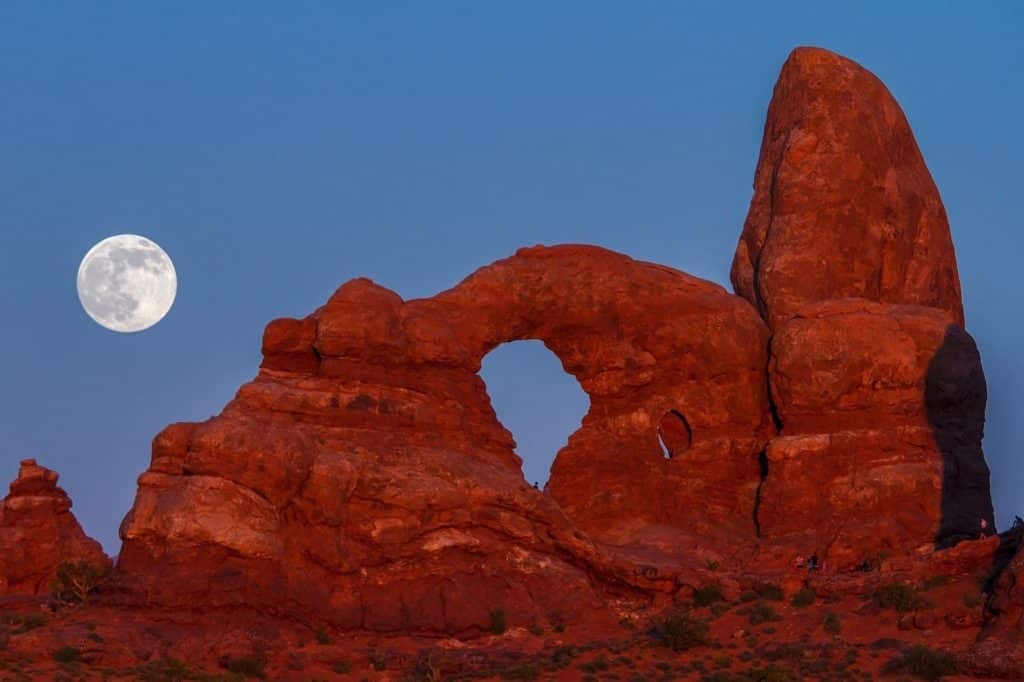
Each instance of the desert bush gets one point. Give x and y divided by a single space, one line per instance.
67 654
769 591
680 632
20 623
342 668
76 581
523 671
379 659
166 669
832 624
804 597
321 636
924 663
247 667
899 597
762 613
707 595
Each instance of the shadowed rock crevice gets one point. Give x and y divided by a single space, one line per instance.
955 397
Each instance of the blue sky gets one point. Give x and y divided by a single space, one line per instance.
276 150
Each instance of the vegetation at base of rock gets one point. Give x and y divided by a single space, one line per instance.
769 591
22 622
67 654
762 613
342 668
249 667
76 581
922 662
321 636
680 631
707 595
832 624
899 597
804 597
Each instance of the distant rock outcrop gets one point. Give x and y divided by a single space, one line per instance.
38 532
844 206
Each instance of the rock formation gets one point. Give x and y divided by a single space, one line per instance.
878 389
883 409
362 482
844 206
364 475
38 532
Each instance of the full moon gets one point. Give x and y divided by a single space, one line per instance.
127 283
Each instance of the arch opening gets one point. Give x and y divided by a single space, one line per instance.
536 400
674 434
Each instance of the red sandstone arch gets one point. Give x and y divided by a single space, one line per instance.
641 339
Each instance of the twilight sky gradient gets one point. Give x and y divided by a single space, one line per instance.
276 150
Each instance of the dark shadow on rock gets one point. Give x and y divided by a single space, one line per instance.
955 396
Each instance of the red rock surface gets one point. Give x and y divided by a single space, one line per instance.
883 411
843 203
363 478
38 532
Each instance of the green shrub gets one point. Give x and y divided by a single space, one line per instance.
247 667
21 623
900 597
832 624
379 659
804 597
321 636
76 581
342 668
67 654
166 669
498 625
707 595
748 596
762 613
524 671
923 662
680 632
769 591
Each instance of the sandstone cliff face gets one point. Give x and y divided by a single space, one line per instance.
878 390
883 410
844 206
38 532
363 478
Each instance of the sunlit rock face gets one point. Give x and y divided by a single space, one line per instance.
38 532
843 206
883 411
364 474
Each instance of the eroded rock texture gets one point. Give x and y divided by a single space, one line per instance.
843 203
362 478
883 410
38 532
